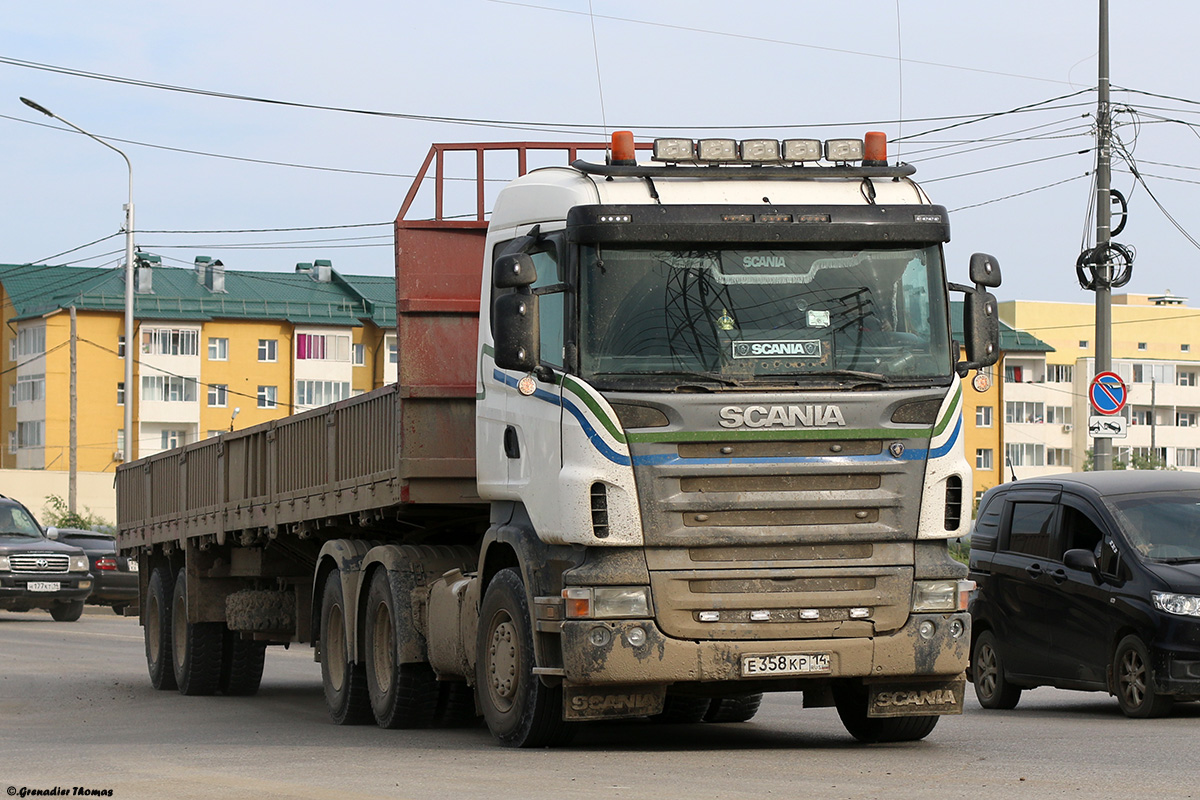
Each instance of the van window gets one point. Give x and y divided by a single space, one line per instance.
1031 528
1078 531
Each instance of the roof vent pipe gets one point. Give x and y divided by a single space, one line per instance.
322 270
216 277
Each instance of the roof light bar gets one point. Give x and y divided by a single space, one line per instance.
674 150
841 150
801 150
760 151
716 151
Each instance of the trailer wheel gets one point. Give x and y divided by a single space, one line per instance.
402 695
197 646
67 612
519 709
850 697
241 665
157 630
734 708
344 681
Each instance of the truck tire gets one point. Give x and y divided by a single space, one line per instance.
402 695
992 688
850 697
520 710
456 705
197 647
241 665
344 681
1136 694
681 709
157 629
67 612
734 708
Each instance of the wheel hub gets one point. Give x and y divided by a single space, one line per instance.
503 660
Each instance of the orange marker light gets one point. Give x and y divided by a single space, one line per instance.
622 149
875 149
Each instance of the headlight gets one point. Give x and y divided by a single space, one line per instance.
79 563
4 565
1185 605
607 602
941 595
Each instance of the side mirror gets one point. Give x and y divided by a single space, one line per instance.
52 532
1082 560
518 336
513 271
984 270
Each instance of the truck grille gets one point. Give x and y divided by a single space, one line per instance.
40 563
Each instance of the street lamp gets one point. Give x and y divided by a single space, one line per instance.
128 454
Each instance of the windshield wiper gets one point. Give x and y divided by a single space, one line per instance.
674 373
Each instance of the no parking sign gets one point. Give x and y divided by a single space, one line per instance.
1107 393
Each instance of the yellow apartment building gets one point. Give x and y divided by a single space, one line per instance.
214 348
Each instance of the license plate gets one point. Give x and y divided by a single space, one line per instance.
133 564
44 586
785 664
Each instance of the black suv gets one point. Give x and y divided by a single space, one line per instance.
1089 581
35 570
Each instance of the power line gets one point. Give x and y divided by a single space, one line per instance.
1020 194
1005 166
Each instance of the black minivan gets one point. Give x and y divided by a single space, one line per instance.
1088 581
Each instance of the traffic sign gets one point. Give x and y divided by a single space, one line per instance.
1107 427
1107 393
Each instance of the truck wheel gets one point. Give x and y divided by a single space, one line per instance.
456 705
67 612
241 665
157 630
850 697
734 708
402 695
992 689
519 709
197 646
681 709
1135 684
344 681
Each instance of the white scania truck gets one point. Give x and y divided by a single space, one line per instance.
667 436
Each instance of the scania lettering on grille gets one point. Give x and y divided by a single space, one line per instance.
806 416
800 348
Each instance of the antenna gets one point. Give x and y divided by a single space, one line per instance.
1011 471
900 79
599 82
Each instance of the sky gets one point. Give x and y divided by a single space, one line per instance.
994 103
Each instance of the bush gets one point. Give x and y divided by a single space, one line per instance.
55 513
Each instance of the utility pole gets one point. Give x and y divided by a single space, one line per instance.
1102 447
72 450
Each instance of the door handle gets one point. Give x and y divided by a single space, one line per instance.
1034 570
512 445
1059 575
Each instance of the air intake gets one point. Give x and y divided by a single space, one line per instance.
600 510
953 502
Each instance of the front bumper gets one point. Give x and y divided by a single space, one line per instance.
15 592
597 652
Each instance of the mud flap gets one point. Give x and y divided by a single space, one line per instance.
913 699
612 701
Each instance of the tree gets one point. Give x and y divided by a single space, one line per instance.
1135 462
55 513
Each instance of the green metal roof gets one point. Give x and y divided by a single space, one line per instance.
347 300
1011 339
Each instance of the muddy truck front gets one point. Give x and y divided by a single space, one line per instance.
719 422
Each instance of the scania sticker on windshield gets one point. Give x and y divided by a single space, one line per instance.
804 348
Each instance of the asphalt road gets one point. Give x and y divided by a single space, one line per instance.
77 711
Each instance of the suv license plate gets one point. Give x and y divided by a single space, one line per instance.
785 664
44 586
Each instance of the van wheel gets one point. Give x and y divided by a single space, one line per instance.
67 612
850 697
157 630
992 689
197 647
344 681
1135 685
519 709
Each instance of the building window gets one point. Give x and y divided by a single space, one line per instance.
360 355
1058 415
1141 345
320 393
1058 457
1140 417
169 389
30 434
1185 378
267 395
1083 344
218 394
12 349
31 388
1185 348
268 350
213 434
121 443
120 347
1013 374
170 342
173 439
322 347
120 393
218 349
12 442
983 458
1187 457
1153 373
12 396
1026 455
1018 411
1059 373
31 341
393 355
983 417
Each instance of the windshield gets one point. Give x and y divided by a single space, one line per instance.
16 521
1162 527
741 316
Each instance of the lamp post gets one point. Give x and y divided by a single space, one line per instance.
129 393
